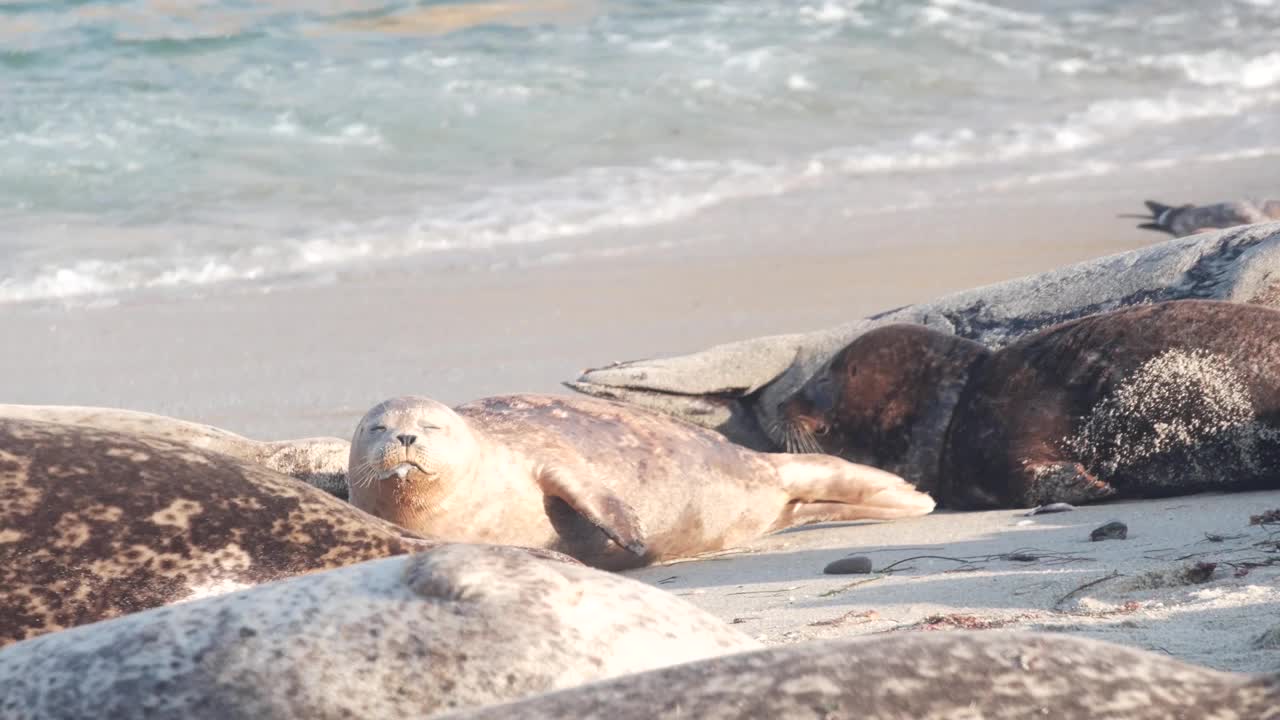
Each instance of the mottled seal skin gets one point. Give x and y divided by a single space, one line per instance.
96 523
611 485
1156 400
935 676
404 637
1189 219
319 461
738 387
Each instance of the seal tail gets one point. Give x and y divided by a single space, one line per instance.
1161 217
835 489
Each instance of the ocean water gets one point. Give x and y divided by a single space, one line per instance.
177 145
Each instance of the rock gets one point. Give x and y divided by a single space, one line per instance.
856 565
1114 530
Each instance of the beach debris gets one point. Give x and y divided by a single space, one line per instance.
863 616
1114 530
1196 573
1199 573
1266 518
1057 507
962 621
740 620
1114 574
850 586
1269 640
853 565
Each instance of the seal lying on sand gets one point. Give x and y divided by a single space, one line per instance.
1155 400
737 388
404 637
920 675
1191 219
95 524
316 461
611 485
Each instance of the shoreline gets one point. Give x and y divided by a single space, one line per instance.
310 358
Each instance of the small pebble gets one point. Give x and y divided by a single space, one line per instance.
1051 508
1114 530
856 565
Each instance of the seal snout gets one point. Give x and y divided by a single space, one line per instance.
407 439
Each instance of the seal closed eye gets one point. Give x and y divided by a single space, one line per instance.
612 485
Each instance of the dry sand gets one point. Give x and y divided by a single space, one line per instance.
309 360
1010 571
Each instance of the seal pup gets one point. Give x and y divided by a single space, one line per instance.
614 486
984 674
1189 219
402 637
320 461
96 523
738 387
1155 400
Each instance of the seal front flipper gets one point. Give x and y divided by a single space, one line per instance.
1049 482
598 506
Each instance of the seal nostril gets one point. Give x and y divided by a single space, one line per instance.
406 440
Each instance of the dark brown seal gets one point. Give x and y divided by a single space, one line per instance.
991 675
1162 399
612 485
96 524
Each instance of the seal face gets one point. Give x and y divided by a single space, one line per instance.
1162 399
611 485
402 637
988 675
96 524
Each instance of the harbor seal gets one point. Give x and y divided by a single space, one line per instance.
96 523
320 461
1161 399
614 486
738 387
403 637
986 674
1182 220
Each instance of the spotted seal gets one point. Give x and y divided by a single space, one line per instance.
611 485
96 523
992 674
1154 400
317 461
737 388
403 637
1181 220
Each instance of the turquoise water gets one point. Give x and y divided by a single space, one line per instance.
163 144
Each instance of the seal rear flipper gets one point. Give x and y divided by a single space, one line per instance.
849 490
597 505
1064 481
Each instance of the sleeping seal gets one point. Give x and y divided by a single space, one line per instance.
611 485
316 461
1155 400
994 675
402 637
1190 219
95 524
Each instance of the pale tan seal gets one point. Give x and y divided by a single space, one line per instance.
612 485
318 461
406 637
934 676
